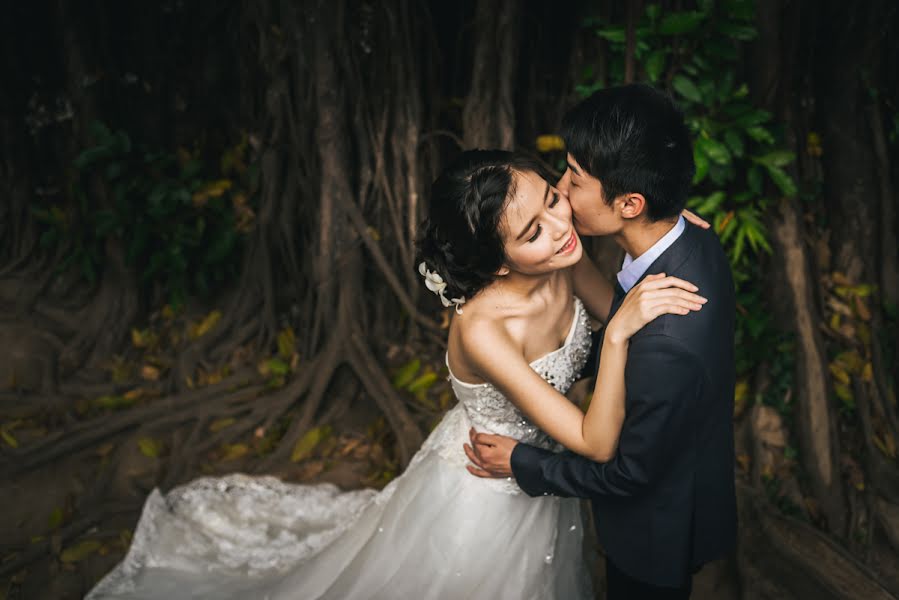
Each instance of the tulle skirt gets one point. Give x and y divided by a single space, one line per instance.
434 532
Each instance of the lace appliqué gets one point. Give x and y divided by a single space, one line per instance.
487 409
237 524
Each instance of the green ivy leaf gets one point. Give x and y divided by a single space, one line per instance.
613 34
686 88
56 517
719 175
655 65
112 401
751 118
715 150
782 180
738 31
679 23
725 225
423 382
702 165
9 438
100 132
276 366
754 179
739 240
149 447
723 50
760 134
406 373
777 158
91 156
711 203
734 141
306 444
79 551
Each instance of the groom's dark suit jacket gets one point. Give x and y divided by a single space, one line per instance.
665 504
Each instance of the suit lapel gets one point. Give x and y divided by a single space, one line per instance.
617 299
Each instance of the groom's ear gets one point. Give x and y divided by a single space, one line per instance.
631 205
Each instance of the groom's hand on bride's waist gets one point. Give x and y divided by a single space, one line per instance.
491 454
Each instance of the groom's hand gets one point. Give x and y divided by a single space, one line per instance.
492 454
695 219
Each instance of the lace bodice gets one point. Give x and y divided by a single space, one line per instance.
487 409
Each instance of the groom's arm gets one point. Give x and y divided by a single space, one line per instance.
663 380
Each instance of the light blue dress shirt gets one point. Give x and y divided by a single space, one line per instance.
632 269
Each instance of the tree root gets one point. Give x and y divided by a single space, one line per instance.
325 365
817 566
168 410
408 434
815 423
364 231
888 518
33 552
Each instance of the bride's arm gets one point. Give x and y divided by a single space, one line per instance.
496 358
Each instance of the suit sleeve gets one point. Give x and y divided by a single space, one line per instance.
662 381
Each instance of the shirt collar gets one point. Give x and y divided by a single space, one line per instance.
632 269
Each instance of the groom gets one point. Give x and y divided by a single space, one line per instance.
665 503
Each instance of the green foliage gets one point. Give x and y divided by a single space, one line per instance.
694 54
180 229
894 130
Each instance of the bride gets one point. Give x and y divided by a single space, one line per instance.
498 246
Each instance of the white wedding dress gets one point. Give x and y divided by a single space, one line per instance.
436 531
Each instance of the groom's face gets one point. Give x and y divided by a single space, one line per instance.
592 216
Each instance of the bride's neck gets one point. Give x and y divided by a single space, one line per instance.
526 286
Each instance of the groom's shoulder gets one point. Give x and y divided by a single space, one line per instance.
705 249
704 262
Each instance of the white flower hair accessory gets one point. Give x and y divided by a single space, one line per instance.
436 284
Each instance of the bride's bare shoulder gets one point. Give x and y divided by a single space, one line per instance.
479 327
487 323
480 317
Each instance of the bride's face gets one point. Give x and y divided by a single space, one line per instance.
536 227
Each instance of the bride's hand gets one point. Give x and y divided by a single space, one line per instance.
656 295
695 219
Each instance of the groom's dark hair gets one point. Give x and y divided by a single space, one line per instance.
634 140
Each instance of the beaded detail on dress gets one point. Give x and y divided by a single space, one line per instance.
488 410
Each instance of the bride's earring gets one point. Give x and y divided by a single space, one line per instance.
503 271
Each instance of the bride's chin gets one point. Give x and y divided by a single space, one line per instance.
567 261
575 256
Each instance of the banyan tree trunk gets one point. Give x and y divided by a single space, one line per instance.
777 90
488 118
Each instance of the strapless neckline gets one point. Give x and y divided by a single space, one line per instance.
578 307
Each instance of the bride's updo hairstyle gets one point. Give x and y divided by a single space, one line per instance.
461 239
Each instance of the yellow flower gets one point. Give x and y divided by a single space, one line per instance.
548 143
